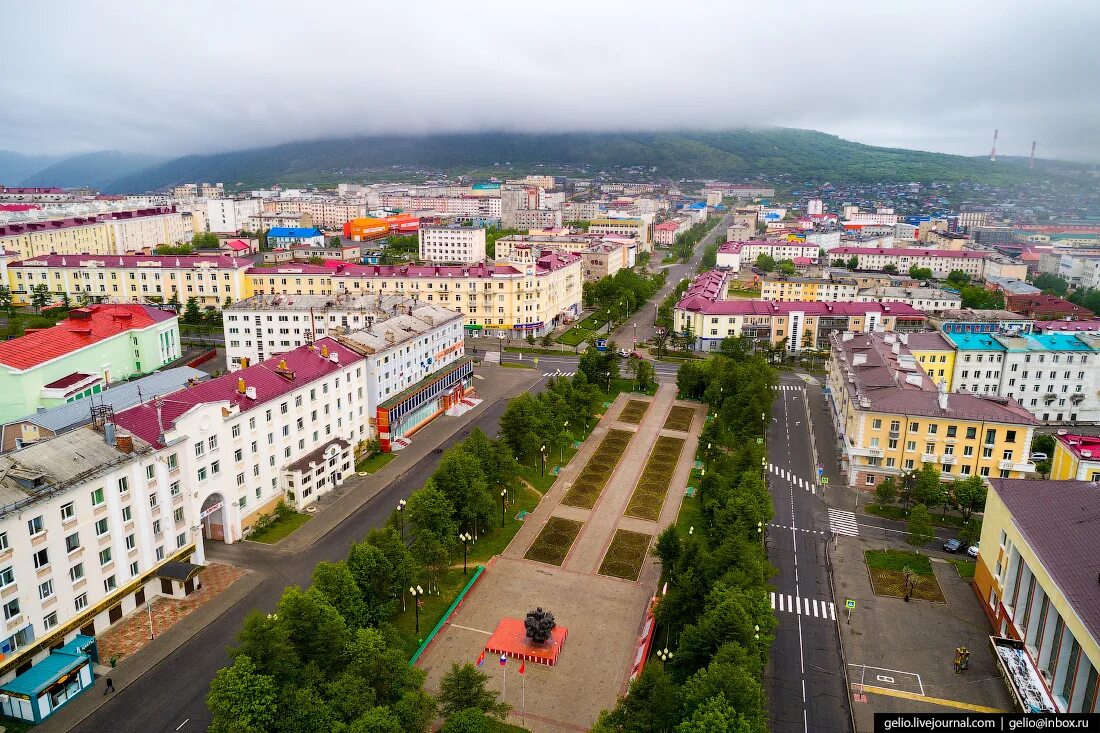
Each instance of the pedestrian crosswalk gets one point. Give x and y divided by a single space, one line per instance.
788 387
800 529
803 606
798 482
558 374
842 522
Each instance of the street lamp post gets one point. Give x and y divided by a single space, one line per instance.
415 591
635 334
465 538
542 452
561 448
708 455
503 494
664 655
401 518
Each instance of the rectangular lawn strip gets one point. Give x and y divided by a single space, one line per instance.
885 567
554 541
586 489
965 567
649 494
679 418
633 411
375 462
625 555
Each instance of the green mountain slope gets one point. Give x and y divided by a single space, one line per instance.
803 154
15 167
96 170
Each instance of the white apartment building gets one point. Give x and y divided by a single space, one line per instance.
271 220
928 300
92 523
323 212
452 244
580 210
824 240
237 441
884 217
228 216
941 262
532 219
734 254
628 227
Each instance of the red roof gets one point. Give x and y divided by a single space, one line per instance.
909 252
84 327
670 225
306 364
25 227
67 381
83 260
238 245
1076 444
738 307
1086 325
19 207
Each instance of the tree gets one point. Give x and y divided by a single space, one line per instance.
886 492
957 278
266 642
335 582
838 262
241 700
1051 284
334 242
470 720
971 532
461 479
920 273
968 495
40 297
191 312
920 526
853 262
765 262
786 267
316 629
6 299
374 577
431 514
465 687
928 489
891 269
715 715
975 296
205 240
645 375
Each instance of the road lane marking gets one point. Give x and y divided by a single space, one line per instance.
957 704
182 724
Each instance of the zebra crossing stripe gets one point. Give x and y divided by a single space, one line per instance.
832 612
843 522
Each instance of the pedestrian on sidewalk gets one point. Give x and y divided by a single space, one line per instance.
110 686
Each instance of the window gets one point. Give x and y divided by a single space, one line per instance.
238 455
914 427
202 473
68 511
215 467
174 488
127 513
952 430
135 568
235 431
876 424
3 541
150 472
76 572
181 539
109 584
1010 436
160 554
156 527
932 428
105 556
173 462
34 526
49 621
990 436
212 443
45 590
971 433
123 485
7 577
41 559
152 501
131 541
72 542
101 527
200 448
81 602
177 515
1006 455
97 497
11 609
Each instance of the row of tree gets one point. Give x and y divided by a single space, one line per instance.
716 609
684 247
621 294
920 490
534 426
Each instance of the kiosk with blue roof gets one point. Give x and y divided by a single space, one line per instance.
37 693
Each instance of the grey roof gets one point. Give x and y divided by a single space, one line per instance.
54 465
1061 522
398 329
1013 285
74 414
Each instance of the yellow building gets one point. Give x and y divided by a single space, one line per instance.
1036 580
891 418
1076 457
792 289
133 278
517 298
935 355
114 232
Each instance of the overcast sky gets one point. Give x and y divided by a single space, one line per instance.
199 76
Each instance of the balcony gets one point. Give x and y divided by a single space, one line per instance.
948 459
871 452
894 434
929 458
1010 465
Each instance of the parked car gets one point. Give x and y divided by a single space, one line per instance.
954 546
624 353
1040 456
972 551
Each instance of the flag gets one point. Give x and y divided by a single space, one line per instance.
503 660
481 659
523 666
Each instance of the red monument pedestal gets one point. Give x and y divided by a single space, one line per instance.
510 639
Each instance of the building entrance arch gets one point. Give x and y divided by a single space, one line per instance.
213 515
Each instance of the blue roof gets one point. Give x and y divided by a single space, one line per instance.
1056 342
975 341
78 412
300 232
46 672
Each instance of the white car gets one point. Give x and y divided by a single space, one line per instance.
1040 456
972 551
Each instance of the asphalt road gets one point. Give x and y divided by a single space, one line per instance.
804 681
175 690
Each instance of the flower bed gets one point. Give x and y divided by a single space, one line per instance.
634 411
554 541
649 494
625 555
586 489
680 418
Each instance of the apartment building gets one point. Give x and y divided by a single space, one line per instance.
512 299
82 354
705 313
112 232
928 300
793 289
466 207
34 194
581 210
890 417
940 262
1049 374
238 441
82 544
264 221
1076 457
935 355
735 254
740 190
211 279
531 219
452 244
228 216
1035 581
328 213
632 227
666 232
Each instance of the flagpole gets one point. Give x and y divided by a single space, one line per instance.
523 698
504 692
